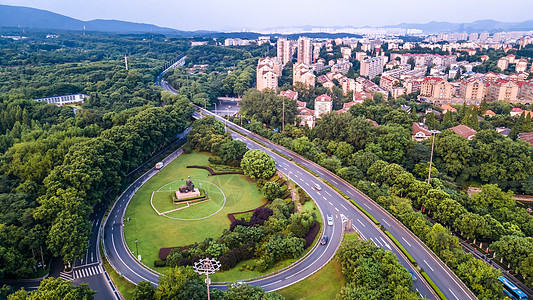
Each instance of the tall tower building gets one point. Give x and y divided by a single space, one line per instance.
305 50
284 50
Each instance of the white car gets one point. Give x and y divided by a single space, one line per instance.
318 187
330 220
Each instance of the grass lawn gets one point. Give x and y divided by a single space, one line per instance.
154 232
326 283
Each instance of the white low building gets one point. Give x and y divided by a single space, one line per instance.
66 99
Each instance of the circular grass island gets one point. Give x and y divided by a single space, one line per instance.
157 226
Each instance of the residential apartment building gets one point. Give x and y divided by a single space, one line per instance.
284 49
323 105
268 72
372 67
343 67
503 90
387 82
436 88
305 50
521 65
526 90
472 90
303 73
503 63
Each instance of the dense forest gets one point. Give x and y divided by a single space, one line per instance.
55 165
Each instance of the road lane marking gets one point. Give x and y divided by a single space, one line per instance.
327 193
307 184
430 266
374 242
299 172
335 182
272 283
406 241
118 255
327 200
344 207
318 193
351 194
330 203
367 206
361 222
337 209
453 294
386 222
386 244
379 243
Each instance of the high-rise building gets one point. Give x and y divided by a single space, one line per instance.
436 88
305 50
284 48
503 90
303 73
526 89
268 72
372 67
472 90
503 63
323 105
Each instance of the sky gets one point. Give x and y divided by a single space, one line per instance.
254 14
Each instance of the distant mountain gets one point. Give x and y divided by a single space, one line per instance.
476 26
18 16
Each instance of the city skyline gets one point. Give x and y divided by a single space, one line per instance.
236 15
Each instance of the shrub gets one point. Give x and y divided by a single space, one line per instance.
160 263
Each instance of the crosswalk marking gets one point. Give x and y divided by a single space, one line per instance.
81 273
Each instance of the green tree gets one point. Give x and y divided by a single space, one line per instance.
272 190
144 291
257 164
55 289
181 283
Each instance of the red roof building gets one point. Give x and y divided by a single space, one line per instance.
464 131
420 132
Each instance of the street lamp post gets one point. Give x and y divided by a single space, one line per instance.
207 266
137 247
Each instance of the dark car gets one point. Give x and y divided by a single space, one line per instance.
324 240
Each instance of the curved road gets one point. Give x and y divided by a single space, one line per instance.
328 201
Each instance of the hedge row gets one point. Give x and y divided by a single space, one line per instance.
337 190
232 218
307 169
365 212
282 155
311 235
433 285
411 259
164 252
211 172
192 199
250 138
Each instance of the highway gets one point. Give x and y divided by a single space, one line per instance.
444 278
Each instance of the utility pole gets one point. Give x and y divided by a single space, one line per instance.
283 113
431 157
126 61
